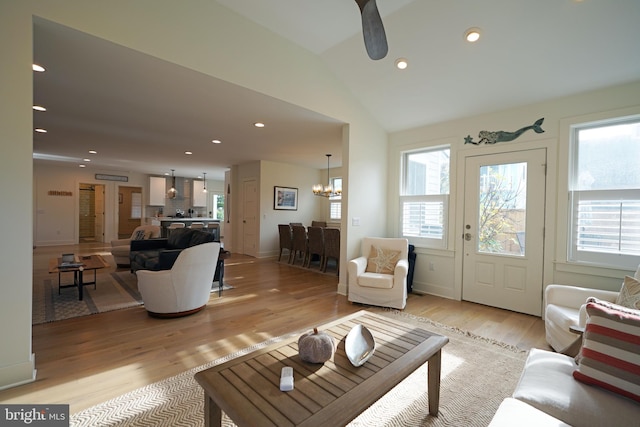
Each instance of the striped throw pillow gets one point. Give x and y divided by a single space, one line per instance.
610 355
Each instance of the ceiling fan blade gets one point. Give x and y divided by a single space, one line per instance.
375 38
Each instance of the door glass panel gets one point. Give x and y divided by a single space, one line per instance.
502 209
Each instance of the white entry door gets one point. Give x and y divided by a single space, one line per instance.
504 230
250 218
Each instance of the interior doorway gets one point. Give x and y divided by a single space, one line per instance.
504 230
129 210
91 213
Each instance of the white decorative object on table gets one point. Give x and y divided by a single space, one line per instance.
359 345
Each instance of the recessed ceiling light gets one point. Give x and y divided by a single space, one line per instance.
82 166
86 160
472 34
166 173
39 108
93 152
40 130
216 141
188 153
259 125
38 68
402 63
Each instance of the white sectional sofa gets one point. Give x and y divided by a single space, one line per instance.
599 387
548 395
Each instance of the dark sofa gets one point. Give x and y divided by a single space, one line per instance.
160 254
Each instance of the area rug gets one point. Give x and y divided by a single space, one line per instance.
114 291
477 374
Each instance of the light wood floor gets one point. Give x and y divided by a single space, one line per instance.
91 359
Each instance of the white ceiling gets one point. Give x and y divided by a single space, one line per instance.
141 113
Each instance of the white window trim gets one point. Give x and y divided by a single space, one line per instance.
425 242
563 234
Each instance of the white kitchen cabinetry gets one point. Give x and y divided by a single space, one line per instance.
157 190
199 196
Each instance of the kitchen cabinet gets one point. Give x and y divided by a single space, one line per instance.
157 190
199 196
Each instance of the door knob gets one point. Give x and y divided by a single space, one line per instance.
467 236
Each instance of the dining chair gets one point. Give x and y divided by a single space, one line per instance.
331 248
300 246
286 240
316 245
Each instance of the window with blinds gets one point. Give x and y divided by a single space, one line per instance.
424 197
605 193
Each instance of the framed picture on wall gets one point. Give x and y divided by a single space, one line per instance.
285 198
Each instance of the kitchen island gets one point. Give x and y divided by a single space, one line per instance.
166 221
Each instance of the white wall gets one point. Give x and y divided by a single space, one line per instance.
56 217
17 363
309 206
445 279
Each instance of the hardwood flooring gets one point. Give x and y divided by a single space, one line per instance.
87 360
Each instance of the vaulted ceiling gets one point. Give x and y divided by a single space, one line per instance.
141 113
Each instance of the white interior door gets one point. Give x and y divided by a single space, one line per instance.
250 218
504 208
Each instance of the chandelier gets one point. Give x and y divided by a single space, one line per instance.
326 190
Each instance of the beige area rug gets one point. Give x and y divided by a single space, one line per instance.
477 374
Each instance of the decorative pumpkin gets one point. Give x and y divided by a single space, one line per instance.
316 347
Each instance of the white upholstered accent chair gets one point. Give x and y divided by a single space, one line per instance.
120 247
565 307
183 290
388 286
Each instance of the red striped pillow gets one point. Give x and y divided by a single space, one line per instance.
610 355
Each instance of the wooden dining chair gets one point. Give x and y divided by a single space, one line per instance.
315 237
300 246
331 247
286 240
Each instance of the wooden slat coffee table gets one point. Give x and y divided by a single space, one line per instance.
247 388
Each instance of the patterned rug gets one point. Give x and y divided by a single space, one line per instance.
113 291
477 374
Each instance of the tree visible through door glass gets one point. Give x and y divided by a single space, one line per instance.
502 209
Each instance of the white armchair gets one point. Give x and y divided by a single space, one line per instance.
120 247
384 283
565 307
186 288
